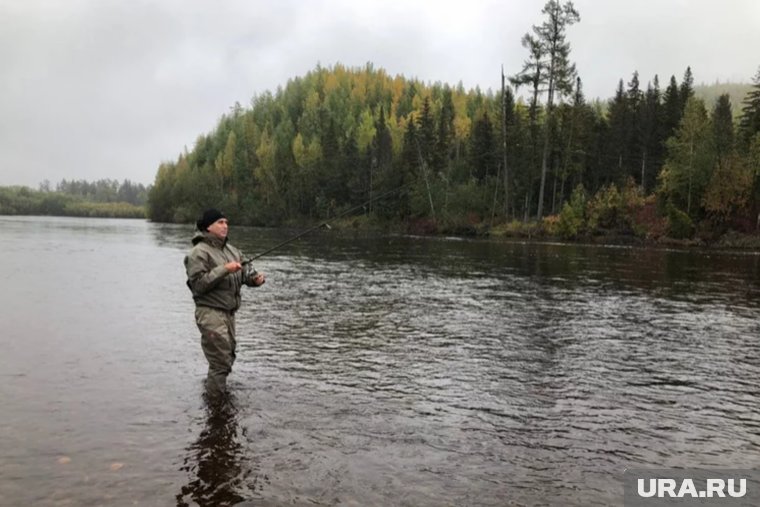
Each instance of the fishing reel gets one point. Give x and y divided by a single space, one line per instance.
249 272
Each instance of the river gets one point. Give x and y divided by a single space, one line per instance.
371 370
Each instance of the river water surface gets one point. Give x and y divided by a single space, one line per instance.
371 370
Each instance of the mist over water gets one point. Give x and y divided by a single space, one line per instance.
370 370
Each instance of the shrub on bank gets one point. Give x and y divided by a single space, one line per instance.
571 221
647 222
517 229
680 226
103 210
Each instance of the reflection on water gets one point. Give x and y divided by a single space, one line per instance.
219 462
370 370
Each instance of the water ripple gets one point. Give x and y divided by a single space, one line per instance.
371 371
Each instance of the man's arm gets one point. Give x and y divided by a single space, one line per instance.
202 277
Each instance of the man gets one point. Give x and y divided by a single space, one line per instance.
214 275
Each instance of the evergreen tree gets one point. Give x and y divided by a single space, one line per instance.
575 131
649 127
634 107
382 143
560 73
225 162
723 127
251 136
672 109
687 88
409 167
426 138
597 171
749 122
410 158
522 161
350 161
533 74
445 131
483 148
330 141
284 164
619 135
508 125
266 178
406 102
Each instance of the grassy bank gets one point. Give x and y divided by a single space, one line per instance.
24 201
652 233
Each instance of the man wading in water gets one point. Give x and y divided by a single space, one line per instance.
215 274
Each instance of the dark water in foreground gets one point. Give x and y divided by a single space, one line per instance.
371 371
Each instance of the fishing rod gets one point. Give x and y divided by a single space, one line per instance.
325 223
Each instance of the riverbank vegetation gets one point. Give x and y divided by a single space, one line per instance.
535 158
102 198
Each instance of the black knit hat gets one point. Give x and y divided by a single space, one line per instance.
210 216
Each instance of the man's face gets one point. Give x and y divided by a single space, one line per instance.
219 228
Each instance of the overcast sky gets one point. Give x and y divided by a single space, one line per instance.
93 89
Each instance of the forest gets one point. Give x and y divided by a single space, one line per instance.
535 157
78 198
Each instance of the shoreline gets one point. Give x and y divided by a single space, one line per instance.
731 240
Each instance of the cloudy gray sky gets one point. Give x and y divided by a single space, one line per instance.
94 89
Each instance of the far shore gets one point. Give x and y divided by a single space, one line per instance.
530 232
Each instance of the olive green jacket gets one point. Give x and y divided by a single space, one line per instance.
210 282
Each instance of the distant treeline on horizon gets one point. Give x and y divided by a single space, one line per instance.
101 198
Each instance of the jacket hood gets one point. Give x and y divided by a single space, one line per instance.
208 238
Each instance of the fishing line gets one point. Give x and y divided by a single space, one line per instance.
326 223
